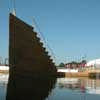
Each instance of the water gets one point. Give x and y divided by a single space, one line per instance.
50 89
3 86
76 89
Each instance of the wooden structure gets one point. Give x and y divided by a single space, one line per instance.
27 56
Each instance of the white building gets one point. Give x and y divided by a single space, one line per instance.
95 63
4 68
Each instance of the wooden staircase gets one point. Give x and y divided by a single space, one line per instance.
26 53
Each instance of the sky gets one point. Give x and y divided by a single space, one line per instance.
71 27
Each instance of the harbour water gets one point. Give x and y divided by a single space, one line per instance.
3 86
61 89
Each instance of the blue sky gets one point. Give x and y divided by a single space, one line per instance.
70 27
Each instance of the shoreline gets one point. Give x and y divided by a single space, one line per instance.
87 73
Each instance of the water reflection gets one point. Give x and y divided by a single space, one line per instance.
3 85
46 89
21 88
83 85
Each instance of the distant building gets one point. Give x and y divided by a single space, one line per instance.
1 60
4 61
75 65
93 63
